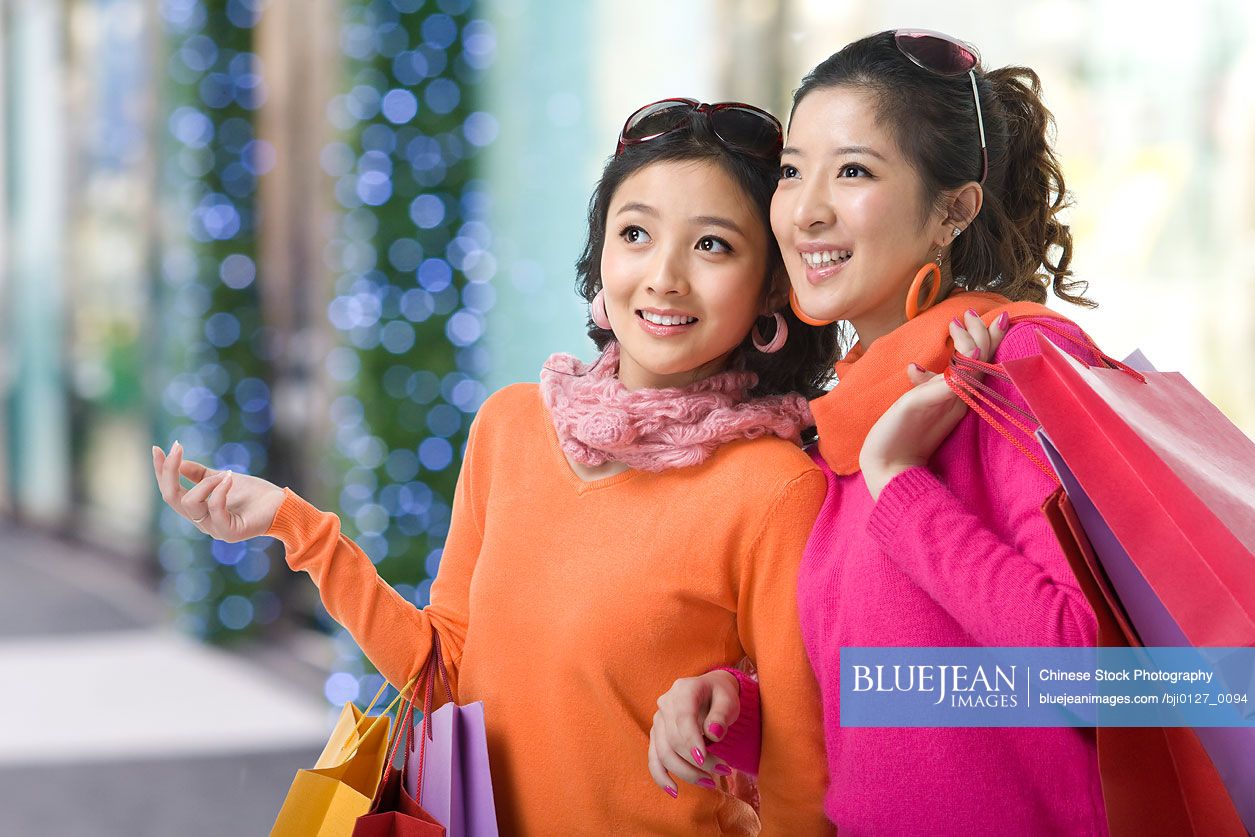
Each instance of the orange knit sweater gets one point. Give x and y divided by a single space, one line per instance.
568 607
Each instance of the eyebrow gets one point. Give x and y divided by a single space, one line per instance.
637 207
836 152
702 220
717 221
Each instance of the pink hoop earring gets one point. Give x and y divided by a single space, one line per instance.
777 341
597 310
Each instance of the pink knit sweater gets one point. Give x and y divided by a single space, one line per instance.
956 554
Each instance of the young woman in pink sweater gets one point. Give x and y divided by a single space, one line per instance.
903 152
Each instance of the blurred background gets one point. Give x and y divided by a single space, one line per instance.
306 238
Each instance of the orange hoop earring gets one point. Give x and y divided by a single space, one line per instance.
797 312
912 296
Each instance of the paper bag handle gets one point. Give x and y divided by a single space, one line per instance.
965 378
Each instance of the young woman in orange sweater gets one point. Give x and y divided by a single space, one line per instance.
623 523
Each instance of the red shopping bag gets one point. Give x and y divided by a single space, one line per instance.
393 811
1172 477
1167 491
1154 780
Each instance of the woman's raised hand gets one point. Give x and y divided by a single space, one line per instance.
224 505
913 428
677 744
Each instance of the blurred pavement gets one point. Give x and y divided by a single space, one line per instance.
114 724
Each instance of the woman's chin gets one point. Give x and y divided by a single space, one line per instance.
828 306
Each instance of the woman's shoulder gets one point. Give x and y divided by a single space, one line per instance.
768 464
512 398
512 410
1023 339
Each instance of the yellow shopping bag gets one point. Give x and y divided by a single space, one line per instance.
327 800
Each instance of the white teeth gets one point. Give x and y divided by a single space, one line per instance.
826 257
670 319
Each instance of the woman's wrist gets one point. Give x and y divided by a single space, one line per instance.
878 475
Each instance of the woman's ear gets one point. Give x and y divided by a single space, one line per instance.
958 212
962 208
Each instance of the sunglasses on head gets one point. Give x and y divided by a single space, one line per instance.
738 126
946 56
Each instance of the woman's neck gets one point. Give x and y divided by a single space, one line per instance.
635 377
872 328
877 324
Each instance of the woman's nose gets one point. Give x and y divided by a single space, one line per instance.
669 275
814 207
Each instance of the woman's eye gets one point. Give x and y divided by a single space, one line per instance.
787 172
714 244
852 170
634 235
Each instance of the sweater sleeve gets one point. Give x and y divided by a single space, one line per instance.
393 633
792 774
741 746
1013 589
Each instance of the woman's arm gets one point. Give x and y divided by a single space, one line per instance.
776 732
1011 587
792 775
393 633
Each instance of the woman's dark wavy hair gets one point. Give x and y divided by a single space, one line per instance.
804 364
1016 246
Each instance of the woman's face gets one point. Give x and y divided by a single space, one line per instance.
849 214
683 269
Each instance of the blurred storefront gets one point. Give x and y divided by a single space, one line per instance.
307 237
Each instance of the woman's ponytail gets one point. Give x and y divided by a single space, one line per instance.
1029 194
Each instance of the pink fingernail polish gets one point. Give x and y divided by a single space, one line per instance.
706 783
976 353
956 322
723 770
972 312
716 730
671 792
1004 319
698 757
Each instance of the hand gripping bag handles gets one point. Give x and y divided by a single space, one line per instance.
452 764
394 812
327 800
1145 450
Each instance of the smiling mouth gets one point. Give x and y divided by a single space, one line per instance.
666 319
825 258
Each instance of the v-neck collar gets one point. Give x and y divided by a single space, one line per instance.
581 485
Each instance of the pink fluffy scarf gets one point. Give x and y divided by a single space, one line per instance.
599 421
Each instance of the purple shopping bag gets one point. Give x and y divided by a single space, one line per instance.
457 787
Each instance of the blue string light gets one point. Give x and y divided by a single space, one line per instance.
413 265
412 268
218 406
